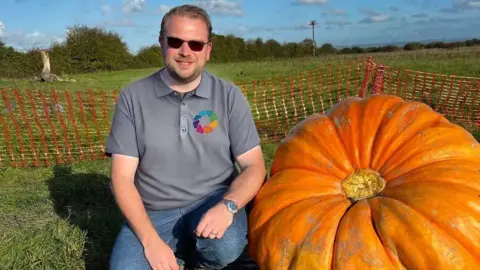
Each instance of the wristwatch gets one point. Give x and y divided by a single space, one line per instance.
231 206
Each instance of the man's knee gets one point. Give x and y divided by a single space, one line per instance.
218 253
128 252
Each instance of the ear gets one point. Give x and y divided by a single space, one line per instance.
162 45
209 50
160 41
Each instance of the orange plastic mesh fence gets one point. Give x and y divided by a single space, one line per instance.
42 128
279 104
455 97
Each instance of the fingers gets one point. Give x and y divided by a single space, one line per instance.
208 230
174 266
164 263
220 234
170 265
167 267
214 223
164 266
201 226
213 234
204 227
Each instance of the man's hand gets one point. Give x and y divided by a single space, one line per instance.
159 255
214 222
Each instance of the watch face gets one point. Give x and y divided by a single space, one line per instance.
232 206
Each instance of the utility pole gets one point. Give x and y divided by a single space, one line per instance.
313 23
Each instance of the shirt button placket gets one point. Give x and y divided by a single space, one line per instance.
183 119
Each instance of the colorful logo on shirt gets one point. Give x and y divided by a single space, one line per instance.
206 128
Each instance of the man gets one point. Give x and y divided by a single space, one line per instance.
174 140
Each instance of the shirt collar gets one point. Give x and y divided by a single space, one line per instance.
203 89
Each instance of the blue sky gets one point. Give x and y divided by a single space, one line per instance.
27 23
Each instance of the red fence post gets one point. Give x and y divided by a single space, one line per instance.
366 77
378 85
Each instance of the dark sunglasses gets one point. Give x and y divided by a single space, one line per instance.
176 43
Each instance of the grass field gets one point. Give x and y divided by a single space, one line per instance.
462 62
64 217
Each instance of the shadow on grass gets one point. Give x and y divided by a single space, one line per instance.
85 200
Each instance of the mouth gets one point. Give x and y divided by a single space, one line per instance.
184 63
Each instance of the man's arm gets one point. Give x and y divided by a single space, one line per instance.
128 199
243 189
157 252
125 156
252 175
245 146
122 147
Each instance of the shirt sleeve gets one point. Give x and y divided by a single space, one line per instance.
242 129
122 138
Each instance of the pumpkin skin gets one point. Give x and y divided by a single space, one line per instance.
426 215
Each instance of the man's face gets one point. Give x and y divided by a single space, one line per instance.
184 63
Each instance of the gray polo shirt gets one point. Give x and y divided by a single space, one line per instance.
186 146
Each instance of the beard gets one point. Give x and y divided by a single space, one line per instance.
180 75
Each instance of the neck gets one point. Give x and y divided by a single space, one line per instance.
179 86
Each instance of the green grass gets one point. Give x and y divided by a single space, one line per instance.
64 217
462 62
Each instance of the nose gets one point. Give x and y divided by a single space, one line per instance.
184 49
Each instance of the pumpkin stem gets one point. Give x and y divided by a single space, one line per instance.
363 184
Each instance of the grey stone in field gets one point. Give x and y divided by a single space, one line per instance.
12 108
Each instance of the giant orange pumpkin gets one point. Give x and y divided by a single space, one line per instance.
375 183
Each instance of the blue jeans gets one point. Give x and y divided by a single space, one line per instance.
176 227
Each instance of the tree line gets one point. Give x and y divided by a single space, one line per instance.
91 49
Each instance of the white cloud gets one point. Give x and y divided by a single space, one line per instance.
373 16
335 12
420 15
377 19
133 5
338 22
164 9
25 41
461 5
106 9
466 4
237 31
380 18
369 12
35 35
243 30
2 28
304 25
125 22
312 2
221 7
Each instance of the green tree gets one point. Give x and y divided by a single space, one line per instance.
95 49
149 57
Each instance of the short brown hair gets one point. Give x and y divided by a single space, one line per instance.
190 11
